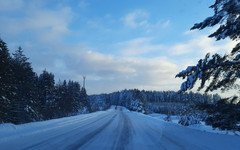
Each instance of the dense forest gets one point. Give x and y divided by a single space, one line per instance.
150 101
26 96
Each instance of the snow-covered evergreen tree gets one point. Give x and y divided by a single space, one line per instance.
45 94
223 72
23 109
189 119
7 87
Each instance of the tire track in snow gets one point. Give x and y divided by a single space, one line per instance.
117 132
146 133
171 140
159 142
45 127
126 133
166 137
55 136
89 136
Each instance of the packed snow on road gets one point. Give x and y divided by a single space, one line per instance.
109 130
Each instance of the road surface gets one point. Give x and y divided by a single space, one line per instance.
110 130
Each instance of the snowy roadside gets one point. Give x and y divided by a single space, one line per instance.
202 126
8 130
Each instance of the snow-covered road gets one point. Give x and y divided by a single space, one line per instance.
112 129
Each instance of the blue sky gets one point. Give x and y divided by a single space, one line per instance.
117 44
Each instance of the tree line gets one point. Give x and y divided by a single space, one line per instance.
26 96
190 107
150 101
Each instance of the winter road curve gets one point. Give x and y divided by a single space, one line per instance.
110 130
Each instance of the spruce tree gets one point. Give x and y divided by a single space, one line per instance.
74 91
25 82
7 87
46 94
58 92
61 94
84 99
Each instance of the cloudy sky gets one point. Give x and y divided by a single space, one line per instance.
118 45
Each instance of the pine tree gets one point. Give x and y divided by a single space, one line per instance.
7 87
61 94
76 97
70 98
25 82
58 89
46 94
84 99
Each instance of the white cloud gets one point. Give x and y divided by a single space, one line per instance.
138 46
181 48
48 25
110 73
136 18
141 18
94 23
83 4
107 16
201 45
11 5
107 73
166 24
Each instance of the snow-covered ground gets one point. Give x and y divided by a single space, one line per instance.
202 126
111 129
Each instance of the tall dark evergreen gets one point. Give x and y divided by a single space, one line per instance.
59 93
74 92
85 100
23 109
7 87
71 97
46 84
63 98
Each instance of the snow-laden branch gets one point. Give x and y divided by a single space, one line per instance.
205 68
